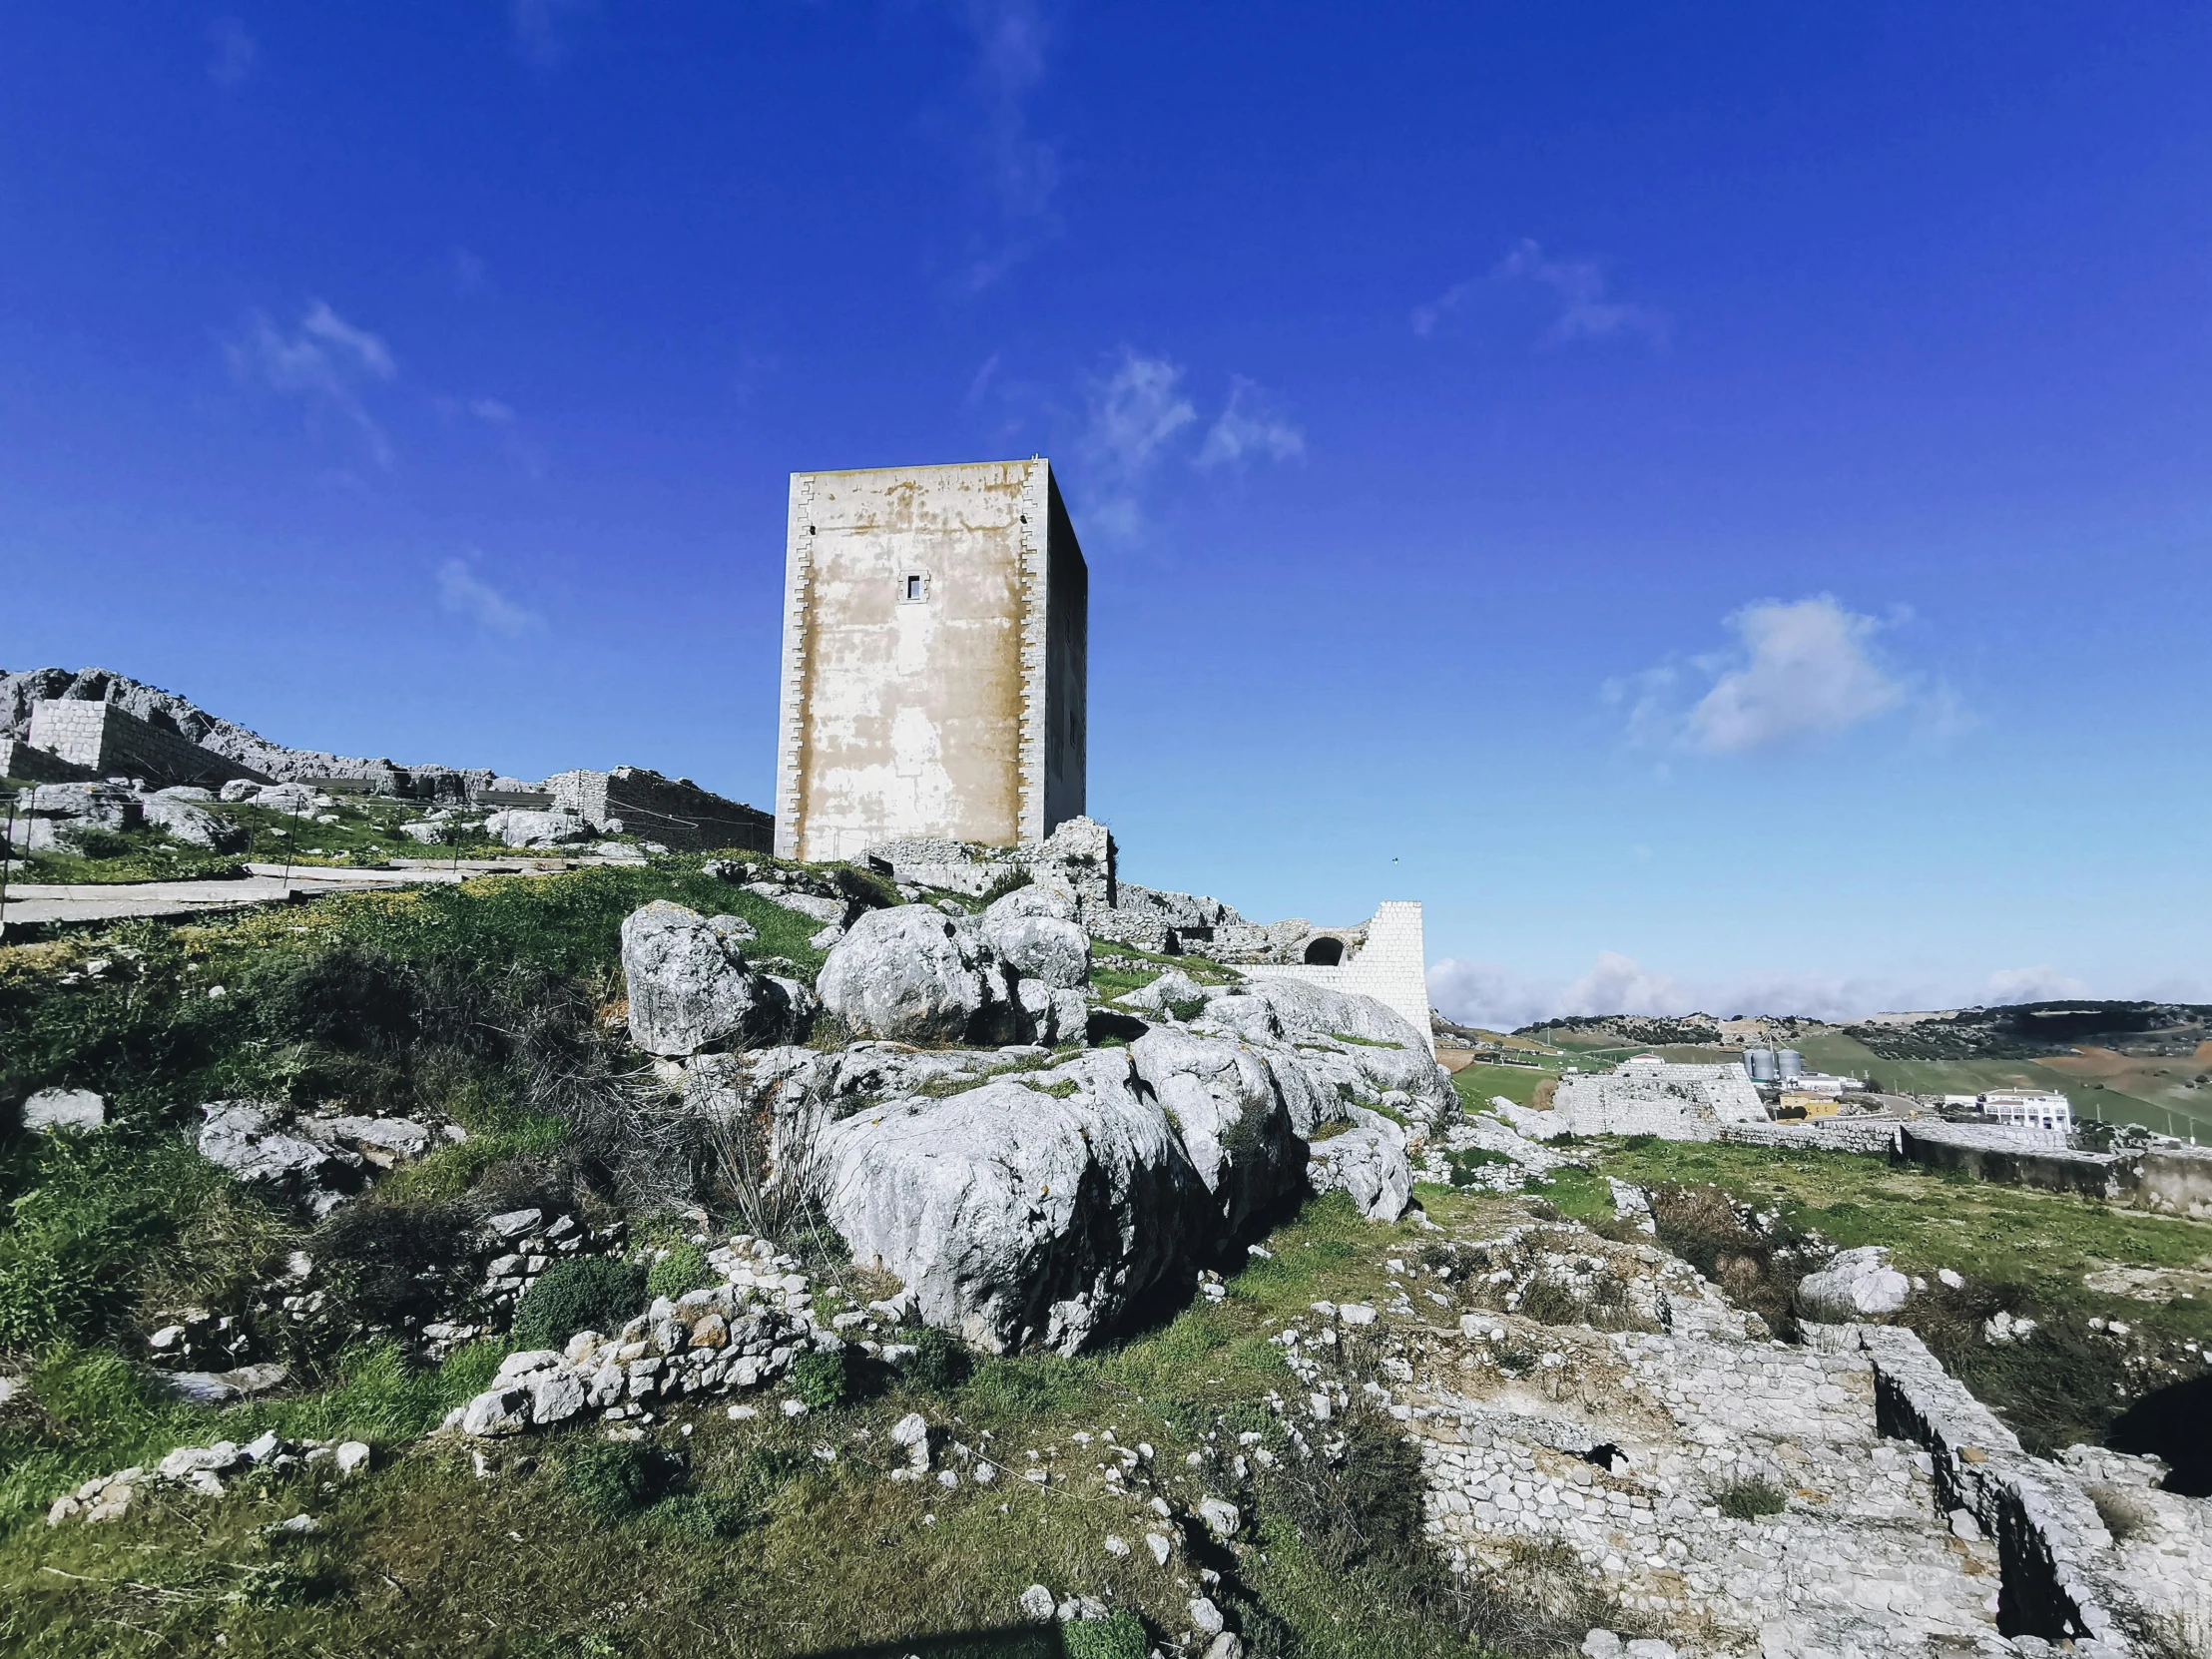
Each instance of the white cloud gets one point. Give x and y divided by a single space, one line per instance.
234 52
1133 412
1489 995
982 381
1804 673
464 593
325 362
1585 310
1250 426
1799 672
491 411
2030 984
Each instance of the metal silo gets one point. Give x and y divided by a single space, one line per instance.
1793 1063
1758 1063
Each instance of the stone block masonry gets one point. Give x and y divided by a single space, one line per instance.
935 631
110 742
20 760
675 811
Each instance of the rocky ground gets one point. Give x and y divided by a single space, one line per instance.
725 1256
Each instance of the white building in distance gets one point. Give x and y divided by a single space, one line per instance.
2043 1110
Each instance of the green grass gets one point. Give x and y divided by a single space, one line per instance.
1478 1083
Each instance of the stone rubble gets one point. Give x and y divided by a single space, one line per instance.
203 1469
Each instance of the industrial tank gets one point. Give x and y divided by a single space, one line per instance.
1758 1064
1793 1063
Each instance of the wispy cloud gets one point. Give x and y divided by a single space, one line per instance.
1799 672
1022 171
1579 287
233 53
1134 410
462 592
1250 427
537 28
491 411
325 362
982 381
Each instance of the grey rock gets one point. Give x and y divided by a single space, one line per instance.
690 987
244 1138
522 826
193 825
1601 1644
555 1397
1038 1604
350 1458
1206 1618
1309 1021
1221 1517
497 1411
399 1137
1027 931
1367 1161
1221 1098
429 834
216 1387
1015 1217
72 1111
49 815
513 1224
294 798
828 911
1173 986
914 974
1050 1015
1856 1284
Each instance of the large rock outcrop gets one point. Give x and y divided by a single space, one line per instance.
691 988
1368 1161
1356 1047
1222 1100
1028 1210
911 973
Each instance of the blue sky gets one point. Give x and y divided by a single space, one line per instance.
1714 499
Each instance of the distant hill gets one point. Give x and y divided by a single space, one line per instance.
2031 1030
176 714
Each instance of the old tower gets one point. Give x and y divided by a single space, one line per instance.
934 632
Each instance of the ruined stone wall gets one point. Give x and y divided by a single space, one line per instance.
110 742
35 766
935 636
675 811
1392 966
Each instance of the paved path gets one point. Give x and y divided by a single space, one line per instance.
29 902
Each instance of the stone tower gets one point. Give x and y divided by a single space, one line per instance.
934 632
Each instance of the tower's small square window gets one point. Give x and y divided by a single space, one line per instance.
915 587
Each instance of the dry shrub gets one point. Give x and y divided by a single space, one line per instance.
1756 1269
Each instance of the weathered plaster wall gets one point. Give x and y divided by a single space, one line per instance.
933 629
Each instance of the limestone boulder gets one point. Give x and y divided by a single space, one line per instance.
1856 1284
521 826
67 1111
1029 1211
250 1139
691 988
50 816
192 824
1033 930
1222 1101
1367 1161
1351 1041
911 973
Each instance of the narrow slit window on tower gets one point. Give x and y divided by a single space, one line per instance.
915 587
